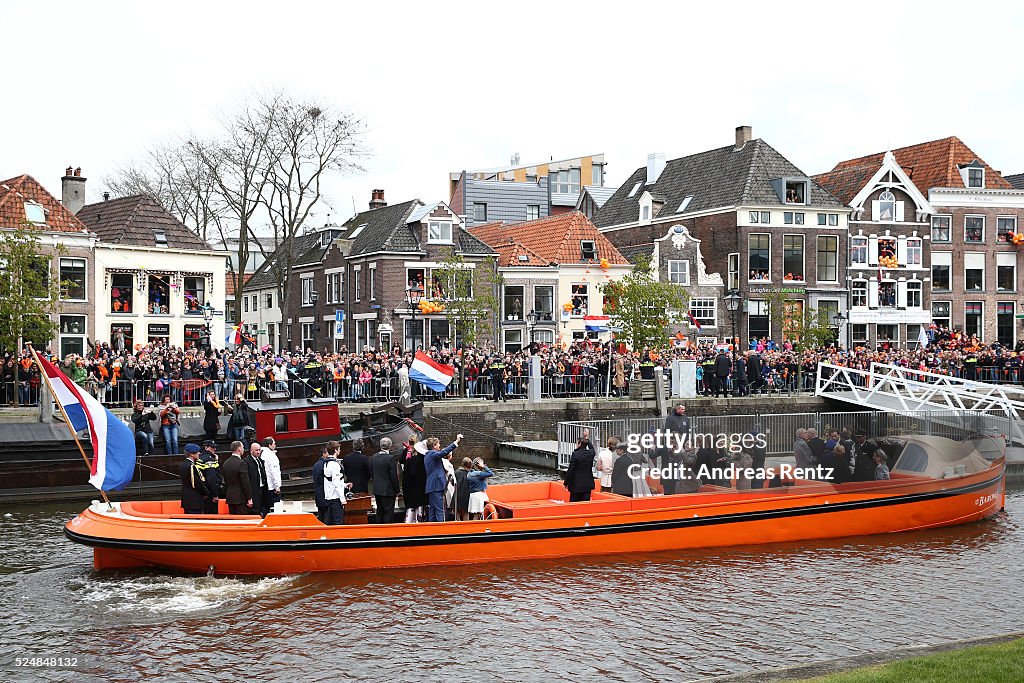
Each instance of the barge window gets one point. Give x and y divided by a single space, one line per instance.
281 423
312 420
913 459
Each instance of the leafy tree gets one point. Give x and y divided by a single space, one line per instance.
806 328
470 300
29 292
644 306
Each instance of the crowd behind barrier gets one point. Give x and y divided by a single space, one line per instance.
118 377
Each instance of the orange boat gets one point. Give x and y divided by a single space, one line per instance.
935 482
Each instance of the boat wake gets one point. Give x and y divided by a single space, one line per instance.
176 595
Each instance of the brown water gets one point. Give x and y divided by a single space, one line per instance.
657 617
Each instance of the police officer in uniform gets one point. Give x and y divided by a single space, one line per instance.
313 373
209 465
193 484
647 367
497 372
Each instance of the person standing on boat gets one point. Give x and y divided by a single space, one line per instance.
414 480
606 462
579 477
678 422
257 474
272 467
384 469
318 480
437 478
462 490
477 481
210 465
335 488
801 450
236 478
881 465
357 468
211 417
193 484
239 418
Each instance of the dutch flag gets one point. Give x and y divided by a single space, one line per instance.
430 373
113 445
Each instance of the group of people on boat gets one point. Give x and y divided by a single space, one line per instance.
846 454
420 473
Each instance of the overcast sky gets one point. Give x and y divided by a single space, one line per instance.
444 86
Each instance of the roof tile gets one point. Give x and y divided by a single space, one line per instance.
14 192
555 239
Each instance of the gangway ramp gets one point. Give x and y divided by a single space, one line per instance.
993 408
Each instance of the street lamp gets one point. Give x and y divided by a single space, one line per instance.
732 304
531 321
838 319
413 295
208 319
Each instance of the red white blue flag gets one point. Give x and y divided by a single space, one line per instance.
693 321
113 445
596 323
429 372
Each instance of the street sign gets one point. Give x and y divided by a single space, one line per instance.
261 331
218 313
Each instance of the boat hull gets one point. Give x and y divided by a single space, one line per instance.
287 543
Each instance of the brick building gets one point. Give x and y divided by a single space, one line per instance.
890 258
547 263
975 270
764 226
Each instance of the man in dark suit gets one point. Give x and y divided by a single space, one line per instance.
318 480
579 478
236 478
357 468
257 474
816 444
723 366
193 484
754 371
384 471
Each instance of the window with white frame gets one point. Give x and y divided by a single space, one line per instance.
796 191
356 283
974 228
1006 271
333 287
974 272
940 313
438 232
1005 226
859 250
859 335
915 251
580 299
515 296
479 212
759 257
35 213
307 291
828 258
269 300
793 257
976 177
942 266
513 339
532 212
72 279
941 228
859 293
914 294
566 181
679 272
373 282
754 217
705 310
1005 322
307 335
734 271
886 207
973 317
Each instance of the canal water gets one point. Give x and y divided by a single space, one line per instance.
651 617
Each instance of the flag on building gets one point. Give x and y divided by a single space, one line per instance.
113 444
693 321
430 373
596 323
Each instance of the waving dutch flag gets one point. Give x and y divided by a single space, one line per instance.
429 372
113 445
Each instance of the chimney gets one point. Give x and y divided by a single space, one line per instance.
377 199
106 196
655 165
72 194
743 135
515 159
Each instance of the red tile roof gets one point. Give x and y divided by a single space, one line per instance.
845 183
931 164
229 283
555 239
14 192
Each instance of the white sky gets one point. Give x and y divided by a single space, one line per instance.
444 86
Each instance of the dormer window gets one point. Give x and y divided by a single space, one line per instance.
887 206
796 192
439 232
973 174
35 213
160 237
588 250
645 212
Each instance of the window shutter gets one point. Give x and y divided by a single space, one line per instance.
901 249
901 293
873 293
899 211
873 250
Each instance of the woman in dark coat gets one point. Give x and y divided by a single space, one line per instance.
414 481
211 419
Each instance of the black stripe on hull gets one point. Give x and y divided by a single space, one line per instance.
528 534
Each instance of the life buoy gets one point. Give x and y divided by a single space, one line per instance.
413 424
490 512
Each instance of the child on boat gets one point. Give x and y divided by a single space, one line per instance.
477 480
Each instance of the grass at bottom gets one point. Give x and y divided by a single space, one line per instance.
984 663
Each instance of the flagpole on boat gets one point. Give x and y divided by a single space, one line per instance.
67 420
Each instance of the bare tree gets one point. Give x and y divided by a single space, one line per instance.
309 140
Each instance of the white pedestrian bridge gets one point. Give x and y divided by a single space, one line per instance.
992 408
